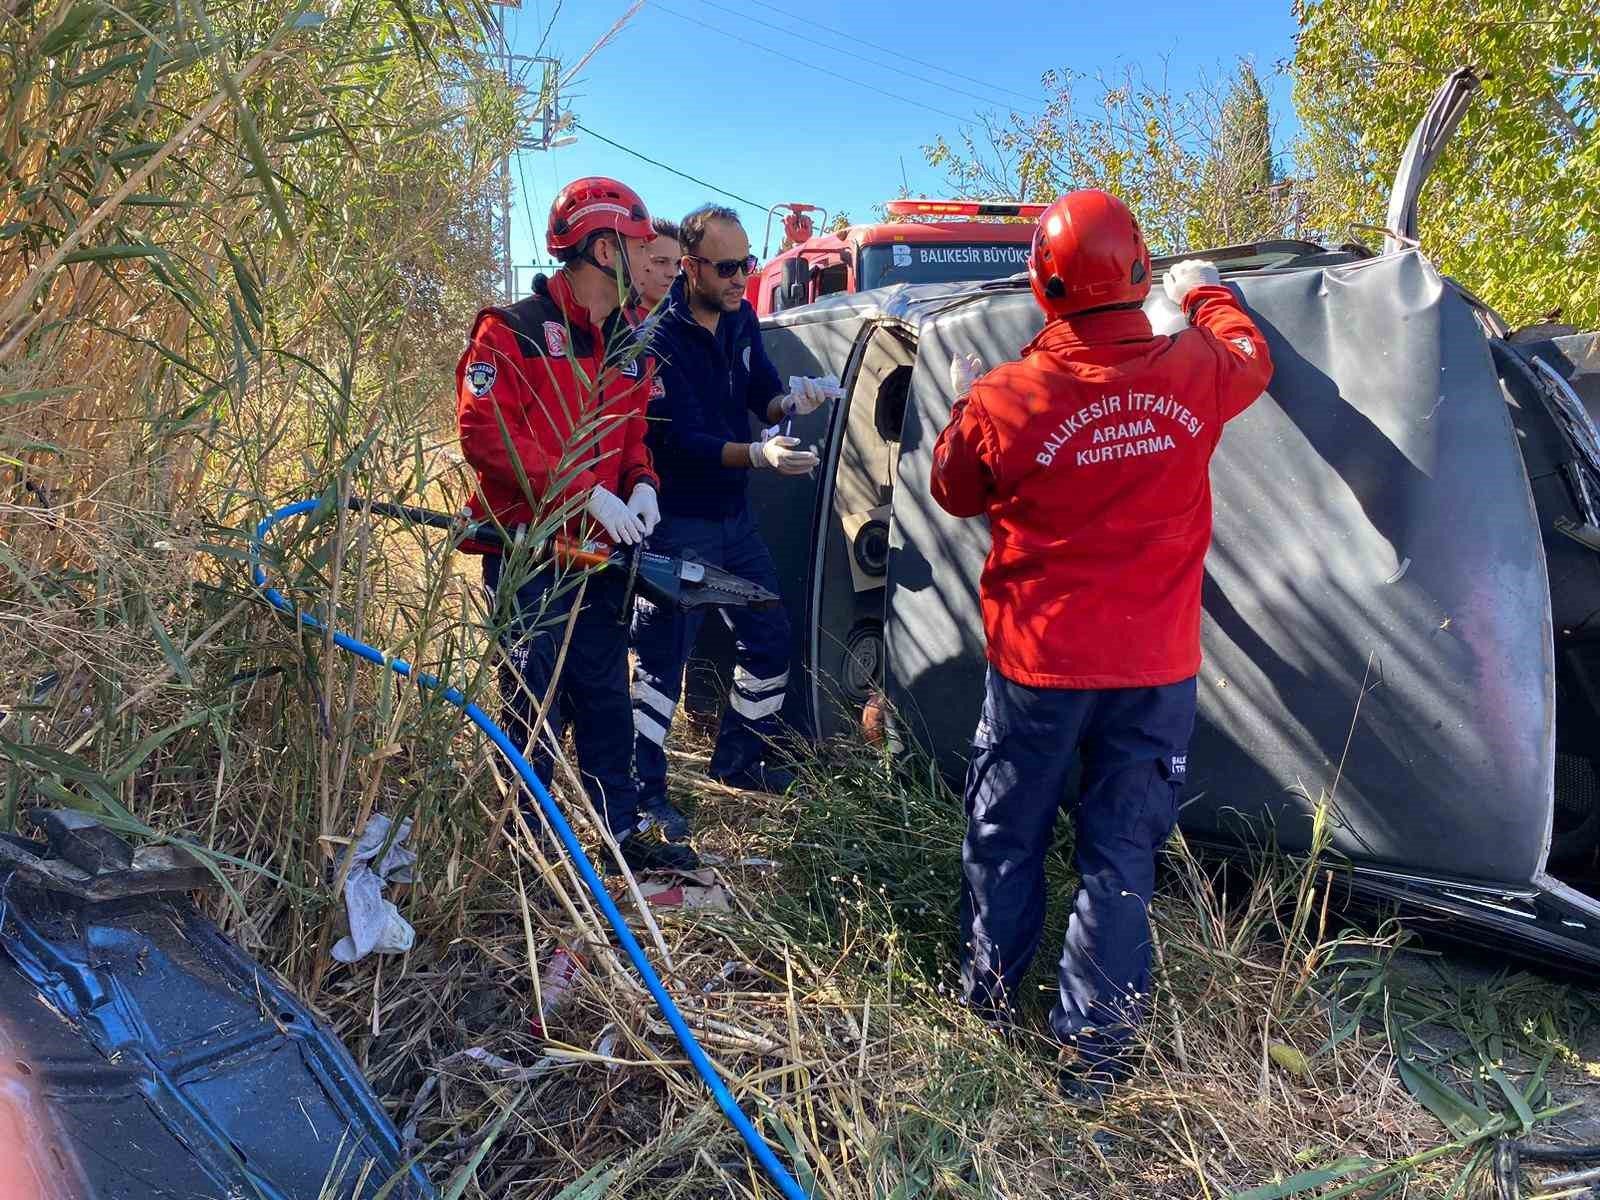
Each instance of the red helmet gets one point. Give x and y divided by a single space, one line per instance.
1088 253
594 203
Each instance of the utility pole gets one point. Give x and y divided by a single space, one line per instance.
500 49
509 280
547 124
542 137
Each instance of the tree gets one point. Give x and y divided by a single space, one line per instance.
1196 167
1237 200
1513 207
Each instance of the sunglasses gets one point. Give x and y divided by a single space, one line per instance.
727 268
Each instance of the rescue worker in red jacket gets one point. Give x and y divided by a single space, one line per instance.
552 391
1089 456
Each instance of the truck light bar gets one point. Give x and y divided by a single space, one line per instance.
963 208
797 226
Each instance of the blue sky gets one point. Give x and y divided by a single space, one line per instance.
762 118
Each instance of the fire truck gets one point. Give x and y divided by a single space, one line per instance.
935 241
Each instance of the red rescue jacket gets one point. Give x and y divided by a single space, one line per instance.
537 365
1090 457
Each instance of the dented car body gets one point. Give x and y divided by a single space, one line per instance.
1402 600
144 1054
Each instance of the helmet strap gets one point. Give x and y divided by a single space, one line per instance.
1085 312
587 255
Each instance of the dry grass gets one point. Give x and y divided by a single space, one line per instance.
236 258
238 245
826 997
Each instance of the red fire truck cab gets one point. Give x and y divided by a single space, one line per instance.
922 248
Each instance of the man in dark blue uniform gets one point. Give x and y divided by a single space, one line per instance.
714 377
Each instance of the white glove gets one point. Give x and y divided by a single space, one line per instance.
780 455
642 504
621 526
964 372
1182 278
806 394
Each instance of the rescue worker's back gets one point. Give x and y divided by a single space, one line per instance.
1089 455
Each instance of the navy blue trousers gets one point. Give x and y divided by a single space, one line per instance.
1134 748
592 695
662 640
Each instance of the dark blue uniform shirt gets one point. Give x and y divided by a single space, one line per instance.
710 386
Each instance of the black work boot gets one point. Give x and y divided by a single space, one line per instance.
1085 1085
647 850
760 777
674 826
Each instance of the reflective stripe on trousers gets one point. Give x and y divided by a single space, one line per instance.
662 642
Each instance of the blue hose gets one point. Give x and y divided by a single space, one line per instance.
702 1064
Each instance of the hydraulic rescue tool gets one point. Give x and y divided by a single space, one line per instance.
662 579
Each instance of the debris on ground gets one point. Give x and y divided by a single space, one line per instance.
376 926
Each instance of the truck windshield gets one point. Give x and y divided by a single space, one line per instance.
940 262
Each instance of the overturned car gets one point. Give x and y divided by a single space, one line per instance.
1402 600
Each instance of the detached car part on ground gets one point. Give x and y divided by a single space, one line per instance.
143 1054
1402 601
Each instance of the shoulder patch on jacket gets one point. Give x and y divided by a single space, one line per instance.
555 339
657 388
1245 345
630 368
480 377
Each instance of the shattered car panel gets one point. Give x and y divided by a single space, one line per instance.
146 1055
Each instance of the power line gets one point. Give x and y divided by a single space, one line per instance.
890 50
756 204
548 26
838 49
810 65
